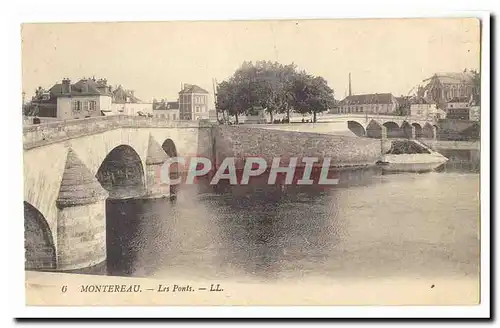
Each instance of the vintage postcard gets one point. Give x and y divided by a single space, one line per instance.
264 162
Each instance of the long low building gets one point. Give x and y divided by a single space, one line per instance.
377 103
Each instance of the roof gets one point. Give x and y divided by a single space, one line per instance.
372 98
452 77
193 88
84 87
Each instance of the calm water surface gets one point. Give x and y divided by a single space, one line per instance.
375 226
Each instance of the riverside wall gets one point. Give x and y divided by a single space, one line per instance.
242 142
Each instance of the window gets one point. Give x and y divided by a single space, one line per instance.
92 105
77 105
197 109
85 105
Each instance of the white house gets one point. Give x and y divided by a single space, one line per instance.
86 98
424 110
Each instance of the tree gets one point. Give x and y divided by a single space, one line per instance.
311 95
275 87
233 98
30 109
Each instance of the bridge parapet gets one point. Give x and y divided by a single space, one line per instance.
41 134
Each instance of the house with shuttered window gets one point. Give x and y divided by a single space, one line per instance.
86 98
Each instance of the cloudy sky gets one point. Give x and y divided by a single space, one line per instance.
153 58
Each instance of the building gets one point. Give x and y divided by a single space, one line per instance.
126 103
404 104
168 110
424 110
193 103
458 108
376 103
85 98
443 87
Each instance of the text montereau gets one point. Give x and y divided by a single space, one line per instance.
110 288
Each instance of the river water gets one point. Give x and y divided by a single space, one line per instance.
375 226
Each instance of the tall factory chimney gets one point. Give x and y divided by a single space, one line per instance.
350 90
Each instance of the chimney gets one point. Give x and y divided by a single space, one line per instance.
350 90
66 86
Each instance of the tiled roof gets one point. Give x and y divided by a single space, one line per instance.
192 88
372 98
78 89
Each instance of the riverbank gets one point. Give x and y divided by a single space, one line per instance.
453 145
46 289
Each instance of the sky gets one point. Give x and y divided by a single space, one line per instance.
154 58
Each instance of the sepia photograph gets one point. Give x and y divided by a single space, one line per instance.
306 162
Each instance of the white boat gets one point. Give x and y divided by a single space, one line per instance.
410 156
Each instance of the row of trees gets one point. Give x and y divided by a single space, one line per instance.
274 87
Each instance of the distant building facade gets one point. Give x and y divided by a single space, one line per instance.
167 110
443 87
422 109
458 108
86 98
375 103
126 103
193 103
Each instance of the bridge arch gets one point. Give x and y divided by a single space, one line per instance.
428 131
169 147
418 130
392 129
39 247
122 173
356 128
374 130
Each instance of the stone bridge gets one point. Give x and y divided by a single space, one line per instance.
363 125
71 168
